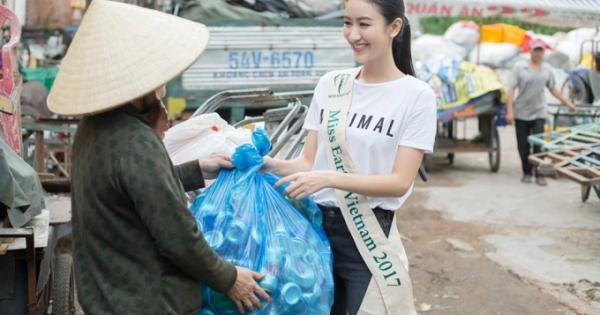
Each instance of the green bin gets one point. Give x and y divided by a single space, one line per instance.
45 75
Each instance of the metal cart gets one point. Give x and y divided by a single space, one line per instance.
585 114
575 88
50 155
48 280
449 142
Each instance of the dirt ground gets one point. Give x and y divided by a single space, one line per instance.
453 281
484 243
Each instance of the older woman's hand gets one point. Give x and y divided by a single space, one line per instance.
212 165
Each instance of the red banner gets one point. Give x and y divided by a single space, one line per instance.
572 17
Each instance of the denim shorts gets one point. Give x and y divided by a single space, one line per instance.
350 273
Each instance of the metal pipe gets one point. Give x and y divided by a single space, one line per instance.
294 149
286 121
291 131
217 100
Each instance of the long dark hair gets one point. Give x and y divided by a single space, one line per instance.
391 10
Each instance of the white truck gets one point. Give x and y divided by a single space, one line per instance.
243 54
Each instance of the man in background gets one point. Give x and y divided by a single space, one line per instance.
529 110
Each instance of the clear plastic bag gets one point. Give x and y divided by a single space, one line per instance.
247 221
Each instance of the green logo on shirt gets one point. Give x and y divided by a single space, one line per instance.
340 80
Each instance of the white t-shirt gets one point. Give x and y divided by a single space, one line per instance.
382 117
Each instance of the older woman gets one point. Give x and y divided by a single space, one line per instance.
137 248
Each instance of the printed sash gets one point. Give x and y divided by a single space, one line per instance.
390 289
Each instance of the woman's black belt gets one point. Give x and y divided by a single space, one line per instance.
387 213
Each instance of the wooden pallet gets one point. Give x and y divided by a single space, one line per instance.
576 137
553 158
580 164
557 141
549 162
589 176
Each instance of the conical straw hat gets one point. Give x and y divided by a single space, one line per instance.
122 52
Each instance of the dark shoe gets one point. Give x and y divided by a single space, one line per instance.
526 179
541 181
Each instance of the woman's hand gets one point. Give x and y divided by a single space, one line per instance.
212 165
269 165
304 184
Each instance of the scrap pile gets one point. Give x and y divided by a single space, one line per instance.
468 66
500 46
463 88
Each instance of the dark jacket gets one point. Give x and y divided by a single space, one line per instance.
137 247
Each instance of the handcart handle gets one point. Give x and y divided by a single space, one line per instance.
423 174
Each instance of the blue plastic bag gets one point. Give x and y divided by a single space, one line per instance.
247 221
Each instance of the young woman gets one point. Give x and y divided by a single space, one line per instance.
368 130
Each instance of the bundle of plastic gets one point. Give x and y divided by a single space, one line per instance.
577 43
428 46
201 136
247 221
495 55
464 33
447 67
